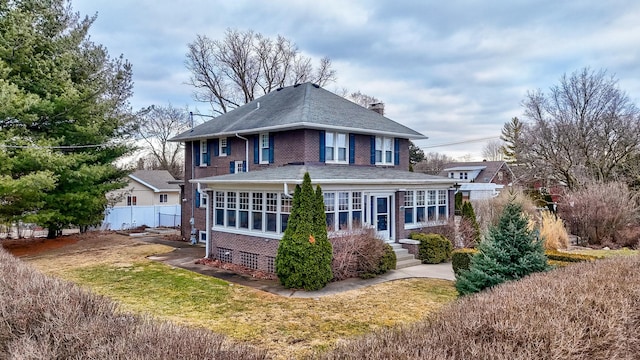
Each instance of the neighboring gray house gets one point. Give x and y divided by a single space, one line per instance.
479 179
242 167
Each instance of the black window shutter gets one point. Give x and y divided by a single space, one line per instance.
197 199
352 148
216 147
396 151
196 153
322 145
244 166
229 146
373 150
232 167
256 149
271 152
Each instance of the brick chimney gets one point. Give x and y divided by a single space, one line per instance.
377 107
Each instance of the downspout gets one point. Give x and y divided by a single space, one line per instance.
286 191
207 222
246 148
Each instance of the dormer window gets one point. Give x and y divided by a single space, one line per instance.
464 176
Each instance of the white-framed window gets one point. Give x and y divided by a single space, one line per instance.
257 213
219 208
204 155
231 208
451 175
464 176
336 147
203 236
203 199
343 210
243 210
239 166
222 144
264 148
271 212
384 150
164 198
132 200
421 206
330 209
285 210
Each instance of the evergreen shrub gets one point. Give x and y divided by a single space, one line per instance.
433 248
303 260
461 258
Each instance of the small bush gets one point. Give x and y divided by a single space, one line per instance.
387 261
553 232
488 211
461 258
433 248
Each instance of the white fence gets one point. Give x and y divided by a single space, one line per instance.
126 217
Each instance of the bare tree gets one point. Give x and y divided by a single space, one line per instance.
157 126
493 150
585 129
244 65
433 163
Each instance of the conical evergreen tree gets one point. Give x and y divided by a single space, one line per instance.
509 252
304 254
470 215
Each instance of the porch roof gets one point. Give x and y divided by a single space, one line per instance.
328 174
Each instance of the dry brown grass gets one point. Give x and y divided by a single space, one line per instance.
553 232
590 310
286 327
45 318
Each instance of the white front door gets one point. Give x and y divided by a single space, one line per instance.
381 215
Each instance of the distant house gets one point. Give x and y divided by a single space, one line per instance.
150 199
242 167
479 180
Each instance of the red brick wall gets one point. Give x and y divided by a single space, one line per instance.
252 244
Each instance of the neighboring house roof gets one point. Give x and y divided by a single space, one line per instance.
156 180
296 107
489 169
328 174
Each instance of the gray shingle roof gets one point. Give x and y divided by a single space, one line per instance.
489 171
157 180
328 174
299 106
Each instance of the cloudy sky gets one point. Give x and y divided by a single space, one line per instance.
454 70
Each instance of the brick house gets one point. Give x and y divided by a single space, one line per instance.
242 168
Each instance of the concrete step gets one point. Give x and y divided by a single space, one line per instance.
407 263
403 257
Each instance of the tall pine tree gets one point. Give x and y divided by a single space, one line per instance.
64 115
304 254
510 251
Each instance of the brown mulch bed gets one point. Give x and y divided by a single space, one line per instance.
238 269
26 247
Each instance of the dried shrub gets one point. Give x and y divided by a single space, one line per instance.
600 213
488 211
358 253
590 310
553 232
47 318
